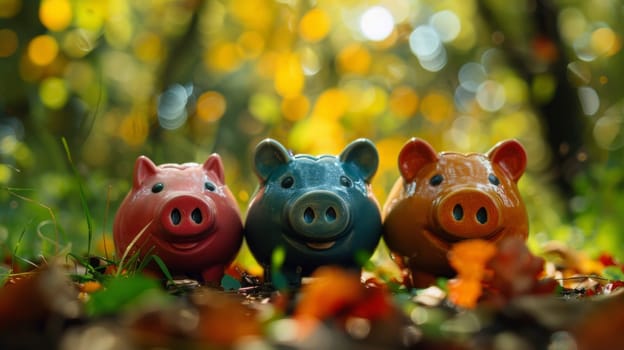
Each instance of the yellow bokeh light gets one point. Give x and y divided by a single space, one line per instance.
257 14
317 136
42 50
295 108
314 25
285 40
378 102
516 89
266 65
223 57
5 174
606 132
331 104
90 14
543 87
466 38
500 129
404 101
572 23
118 31
289 78
9 8
355 59
8 42
211 106
265 108
134 129
604 41
23 155
8 144
55 15
148 47
251 44
436 107
389 149
53 92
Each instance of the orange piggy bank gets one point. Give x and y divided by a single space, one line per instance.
443 198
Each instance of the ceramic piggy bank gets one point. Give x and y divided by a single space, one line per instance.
184 214
441 199
317 210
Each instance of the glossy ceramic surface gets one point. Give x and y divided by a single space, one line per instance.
317 210
183 213
443 198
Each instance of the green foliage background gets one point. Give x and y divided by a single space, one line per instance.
178 80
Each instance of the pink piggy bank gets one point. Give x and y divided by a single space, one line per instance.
443 198
182 213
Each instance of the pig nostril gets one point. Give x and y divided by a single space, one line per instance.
482 216
330 214
458 212
196 216
176 217
308 215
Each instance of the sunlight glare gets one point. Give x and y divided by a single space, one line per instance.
376 23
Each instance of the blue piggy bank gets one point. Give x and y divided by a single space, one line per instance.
312 211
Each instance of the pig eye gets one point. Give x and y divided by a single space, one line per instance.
436 180
345 181
287 182
158 187
493 180
210 186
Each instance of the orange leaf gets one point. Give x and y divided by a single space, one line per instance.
330 292
469 258
464 292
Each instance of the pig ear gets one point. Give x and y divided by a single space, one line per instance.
414 155
143 168
511 156
269 155
362 153
214 166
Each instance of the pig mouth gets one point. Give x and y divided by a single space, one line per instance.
184 245
320 246
302 243
445 241
189 243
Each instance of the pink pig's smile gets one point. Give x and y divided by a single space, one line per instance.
184 246
188 243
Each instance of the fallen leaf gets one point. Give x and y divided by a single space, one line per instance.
469 259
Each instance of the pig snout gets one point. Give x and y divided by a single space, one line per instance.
187 215
468 213
319 215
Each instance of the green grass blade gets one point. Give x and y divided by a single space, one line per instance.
143 263
162 266
12 192
129 248
83 198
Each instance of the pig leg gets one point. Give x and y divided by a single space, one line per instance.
213 275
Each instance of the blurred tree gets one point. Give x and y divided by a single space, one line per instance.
544 58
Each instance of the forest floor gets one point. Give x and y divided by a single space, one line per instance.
508 299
